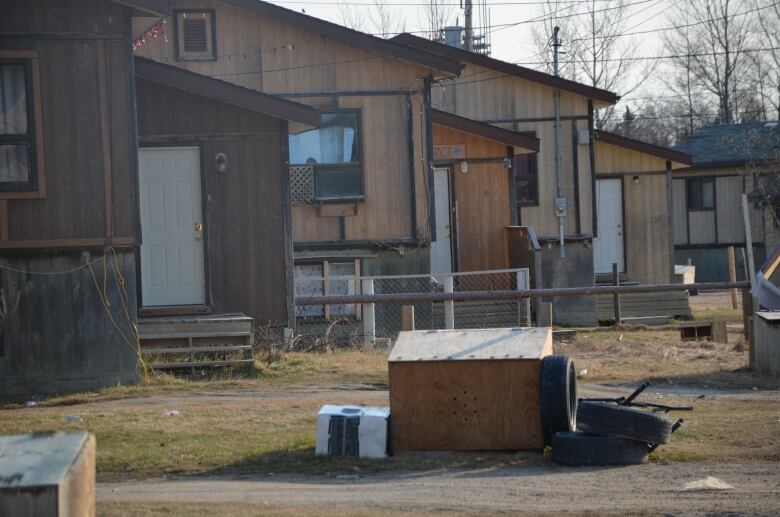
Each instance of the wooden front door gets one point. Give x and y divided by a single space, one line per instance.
172 255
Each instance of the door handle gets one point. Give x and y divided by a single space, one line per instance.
198 231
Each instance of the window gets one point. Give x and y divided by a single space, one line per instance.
526 179
334 151
701 194
17 142
195 35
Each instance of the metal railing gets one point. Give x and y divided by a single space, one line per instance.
369 298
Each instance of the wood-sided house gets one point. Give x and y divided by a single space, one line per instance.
360 184
523 100
729 160
86 242
634 199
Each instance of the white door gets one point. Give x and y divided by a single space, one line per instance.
608 247
441 248
172 268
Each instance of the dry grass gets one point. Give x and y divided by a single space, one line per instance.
123 509
635 354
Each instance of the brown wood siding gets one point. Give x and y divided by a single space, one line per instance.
486 95
245 211
297 61
482 208
645 210
86 154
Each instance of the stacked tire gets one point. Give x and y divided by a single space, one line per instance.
593 433
610 434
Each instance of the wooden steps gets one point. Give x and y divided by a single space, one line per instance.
196 342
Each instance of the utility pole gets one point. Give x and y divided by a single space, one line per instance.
560 201
468 42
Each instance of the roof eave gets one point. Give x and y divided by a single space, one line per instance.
483 130
350 36
225 92
645 147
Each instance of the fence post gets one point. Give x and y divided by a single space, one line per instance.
523 305
449 305
616 296
407 317
732 274
369 322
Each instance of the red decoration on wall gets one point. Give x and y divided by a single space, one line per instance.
154 32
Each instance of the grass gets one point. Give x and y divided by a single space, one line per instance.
264 423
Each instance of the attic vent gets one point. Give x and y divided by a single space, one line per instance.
195 35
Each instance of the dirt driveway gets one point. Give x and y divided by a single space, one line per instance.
530 484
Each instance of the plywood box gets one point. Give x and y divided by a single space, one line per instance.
456 390
47 474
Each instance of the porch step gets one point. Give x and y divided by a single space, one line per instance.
196 342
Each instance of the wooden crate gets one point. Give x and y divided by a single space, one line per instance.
457 390
47 474
710 330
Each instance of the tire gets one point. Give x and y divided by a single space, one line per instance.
612 420
579 449
557 396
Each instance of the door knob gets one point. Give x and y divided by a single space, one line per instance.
198 227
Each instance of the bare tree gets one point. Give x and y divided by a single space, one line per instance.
438 14
769 61
713 50
596 50
384 21
351 17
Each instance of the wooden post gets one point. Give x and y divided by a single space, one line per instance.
732 275
523 305
616 296
358 308
449 305
407 318
749 241
747 318
326 286
544 317
369 323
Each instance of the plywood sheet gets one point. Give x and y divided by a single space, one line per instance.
472 345
465 405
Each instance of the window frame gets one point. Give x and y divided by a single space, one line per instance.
323 167
181 53
701 179
35 188
534 179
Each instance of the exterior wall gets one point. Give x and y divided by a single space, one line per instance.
647 235
703 236
481 201
60 337
277 58
521 105
245 207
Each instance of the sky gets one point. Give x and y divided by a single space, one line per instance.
510 42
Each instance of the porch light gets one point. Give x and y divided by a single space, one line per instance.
221 160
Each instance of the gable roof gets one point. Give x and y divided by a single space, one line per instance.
230 93
349 36
157 7
733 144
507 68
643 147
484 130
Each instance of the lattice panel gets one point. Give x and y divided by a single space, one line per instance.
302 184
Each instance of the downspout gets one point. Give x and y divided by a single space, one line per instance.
560 202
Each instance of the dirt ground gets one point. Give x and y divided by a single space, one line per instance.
518 483
243 445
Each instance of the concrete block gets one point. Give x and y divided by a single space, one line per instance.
48 474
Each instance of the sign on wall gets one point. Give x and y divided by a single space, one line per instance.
446 152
